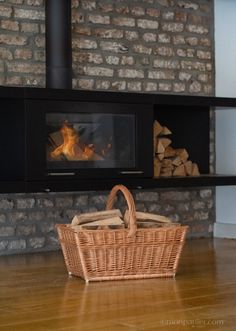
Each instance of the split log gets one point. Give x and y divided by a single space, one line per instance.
166 172
179 171
161 156
165 131
160 147
166 163
95 216
157 128
188 167
170 151
165 142
182 153
195 170
143 217
104 224
177 161
157 167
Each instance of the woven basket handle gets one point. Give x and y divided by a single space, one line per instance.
130 202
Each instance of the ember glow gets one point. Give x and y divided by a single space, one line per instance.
73 148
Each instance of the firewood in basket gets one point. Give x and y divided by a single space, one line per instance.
107 223
147 224
142 217
95 216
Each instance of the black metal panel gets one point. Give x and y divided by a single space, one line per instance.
131 183
12 140
58 44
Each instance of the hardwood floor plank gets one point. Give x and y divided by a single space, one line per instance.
37 294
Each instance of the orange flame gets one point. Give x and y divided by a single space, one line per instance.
73 149
68 147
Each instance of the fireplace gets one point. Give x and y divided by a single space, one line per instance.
73 139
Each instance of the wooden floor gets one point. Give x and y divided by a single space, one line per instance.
37 294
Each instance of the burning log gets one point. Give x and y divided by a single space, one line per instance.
66 144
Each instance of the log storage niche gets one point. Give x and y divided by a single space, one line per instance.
169 161
181 140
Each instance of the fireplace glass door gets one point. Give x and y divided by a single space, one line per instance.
74 139
90 140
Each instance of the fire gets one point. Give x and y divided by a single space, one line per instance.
68 147
73 149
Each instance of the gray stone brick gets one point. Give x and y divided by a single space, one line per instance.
98 200
197 29
26 230
3 246
64 202
5 11
25 203
9 25
134 86
17 245
2 218
154 208
6 231
188 5
109 33
130 73
147 196
84 43
99 19
147 24
198 205
46 227
37 242
18 216
81 201
53 242
114 47
205 193
124 21
29 14
103 84
6 203
175 195
5 54
8 39
172 27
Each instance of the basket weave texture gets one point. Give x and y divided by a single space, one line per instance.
129 253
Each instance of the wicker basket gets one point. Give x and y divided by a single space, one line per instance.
130 253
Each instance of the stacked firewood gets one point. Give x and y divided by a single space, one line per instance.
113 219
169 161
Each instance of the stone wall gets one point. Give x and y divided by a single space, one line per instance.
27 221
157 46
143 45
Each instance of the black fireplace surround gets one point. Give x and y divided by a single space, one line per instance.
70 140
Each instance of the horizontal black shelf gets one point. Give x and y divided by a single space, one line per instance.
108 96
107 184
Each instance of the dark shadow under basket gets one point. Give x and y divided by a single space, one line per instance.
122 253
